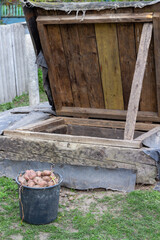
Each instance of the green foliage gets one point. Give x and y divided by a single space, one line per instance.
133 216
20 101
40 79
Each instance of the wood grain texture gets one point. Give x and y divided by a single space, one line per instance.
75 139
55 121
74 59
107 123
143 116
99 132
59 67
106 36
79 154
83 66
148 101
127 54
43 125
55 88
91 67
137 81
96 18
14 75
156 26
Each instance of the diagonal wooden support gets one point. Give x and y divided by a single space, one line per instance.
137 81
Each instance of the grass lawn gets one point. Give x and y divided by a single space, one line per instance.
23 100
93 215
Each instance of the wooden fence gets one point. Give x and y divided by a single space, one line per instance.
14 73
11 10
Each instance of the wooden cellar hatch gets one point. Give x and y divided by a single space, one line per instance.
104 77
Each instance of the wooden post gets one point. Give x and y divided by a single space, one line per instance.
156 26
33 86
137 81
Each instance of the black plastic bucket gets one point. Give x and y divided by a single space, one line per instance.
39 205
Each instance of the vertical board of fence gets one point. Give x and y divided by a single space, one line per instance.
12 10
14 73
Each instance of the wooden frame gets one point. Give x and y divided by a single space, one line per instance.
56 121
29 143
134 100
43 129
21 145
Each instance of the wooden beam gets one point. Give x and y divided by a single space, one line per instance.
107 123
156 27
59 152
147 134
56 121
73 139
43 125
137 81
96 18
106 114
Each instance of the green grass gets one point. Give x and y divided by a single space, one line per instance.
23 100
133 216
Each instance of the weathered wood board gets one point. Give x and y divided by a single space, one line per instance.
109 65
137 81
127 54
62 152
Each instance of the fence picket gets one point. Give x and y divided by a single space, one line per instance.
14 73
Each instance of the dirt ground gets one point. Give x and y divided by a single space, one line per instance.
86 198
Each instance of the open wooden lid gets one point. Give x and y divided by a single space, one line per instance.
93 60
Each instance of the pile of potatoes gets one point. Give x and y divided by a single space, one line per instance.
38 179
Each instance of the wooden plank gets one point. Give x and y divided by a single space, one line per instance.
100 132
156 27
60 129
126 37
55 88
43 125
46 124
75 139
96 18
59 68
5 58
106 36
148 134
11 77
148 100
137 81
19 149
107 123
74 59
106 114
88 48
